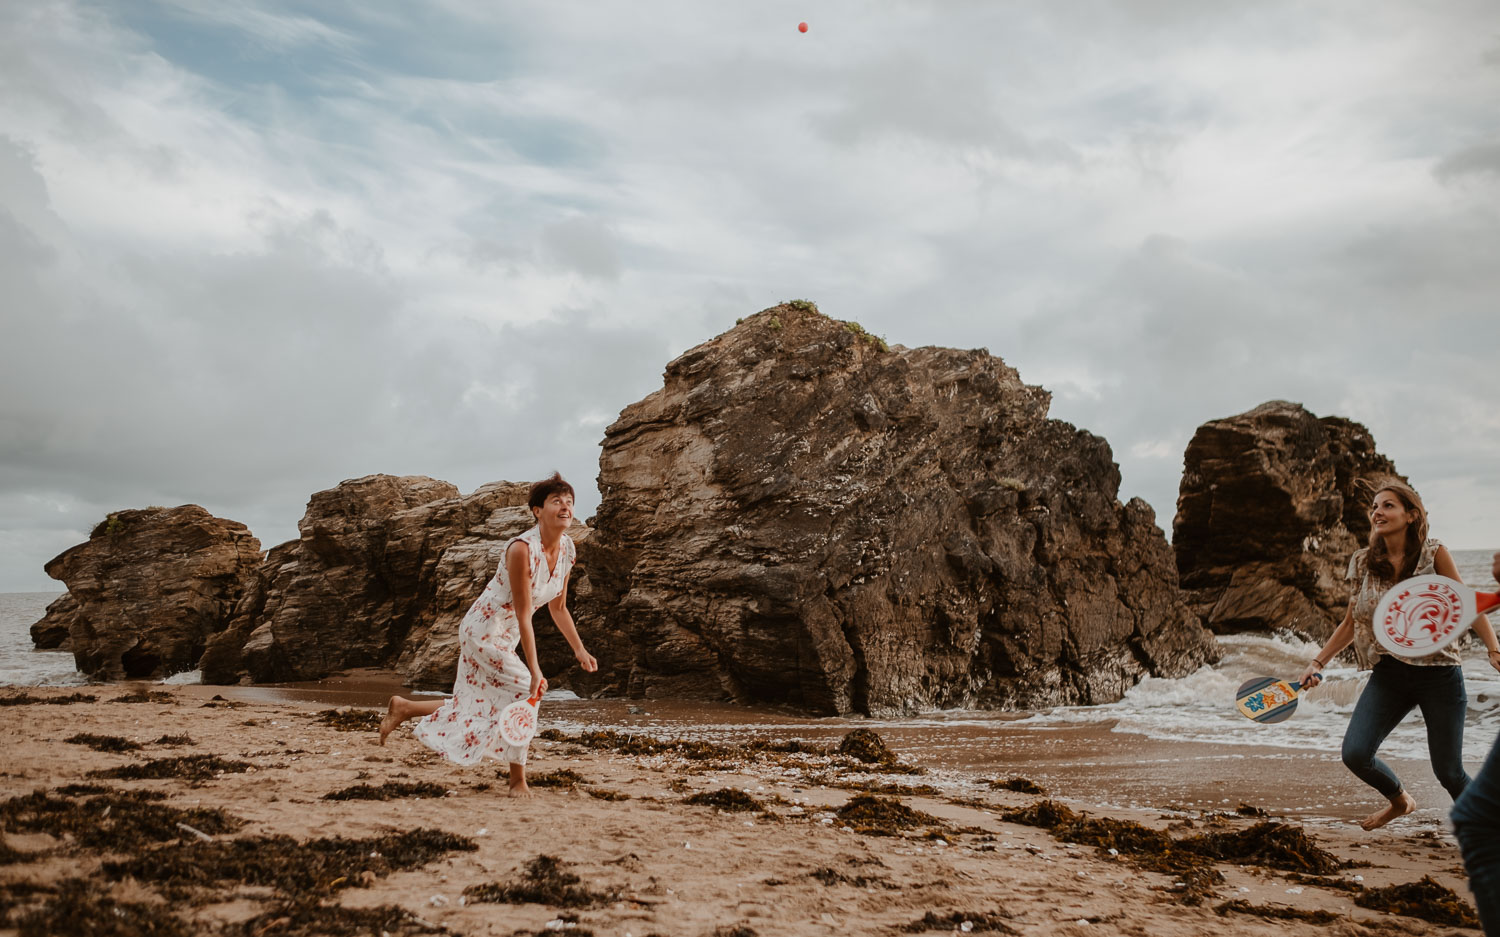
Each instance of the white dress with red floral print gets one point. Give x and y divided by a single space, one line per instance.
491 675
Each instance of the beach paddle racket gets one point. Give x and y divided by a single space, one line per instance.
1424 614
518 720
1267 699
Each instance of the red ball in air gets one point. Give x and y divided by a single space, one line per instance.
801 27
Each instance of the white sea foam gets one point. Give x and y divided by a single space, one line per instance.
186 678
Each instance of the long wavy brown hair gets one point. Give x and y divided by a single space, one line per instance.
1379 560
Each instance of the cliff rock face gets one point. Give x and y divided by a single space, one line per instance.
381 575
148 590
1269 511
802 516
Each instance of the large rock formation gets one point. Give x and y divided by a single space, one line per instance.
804 516
148 590
381 575
1270 508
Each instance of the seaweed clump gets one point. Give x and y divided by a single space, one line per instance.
115 821
726 799
175 740
865 745
320 866
564 778
1044 813
81 907
390 790
104 743
26 699
186 767
977 923
144 696
882 816
1273 845
1274 912
543 881
1425 899
312 919
1019 785
351 720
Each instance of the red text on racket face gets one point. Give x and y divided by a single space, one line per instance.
1424 616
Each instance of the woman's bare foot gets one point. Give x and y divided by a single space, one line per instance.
517 781
393 718
1400 807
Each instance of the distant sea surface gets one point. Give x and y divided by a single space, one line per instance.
1184 725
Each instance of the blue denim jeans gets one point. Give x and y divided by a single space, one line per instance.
1476 821
1395 689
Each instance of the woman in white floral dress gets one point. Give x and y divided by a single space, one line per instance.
465 728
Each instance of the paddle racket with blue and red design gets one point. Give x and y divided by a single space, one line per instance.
1267 699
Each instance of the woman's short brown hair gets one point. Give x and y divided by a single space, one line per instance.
551 485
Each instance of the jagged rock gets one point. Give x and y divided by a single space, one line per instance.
52 632
381 575
149 589
803 516
1269 511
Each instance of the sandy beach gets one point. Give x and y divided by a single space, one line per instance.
626 835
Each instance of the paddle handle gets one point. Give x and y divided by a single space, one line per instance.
1297 687
1484 601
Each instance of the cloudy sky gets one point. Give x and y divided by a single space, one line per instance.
248 250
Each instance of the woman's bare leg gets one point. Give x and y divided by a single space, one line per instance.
518 786
401 709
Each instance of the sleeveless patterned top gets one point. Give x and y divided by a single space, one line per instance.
1367 595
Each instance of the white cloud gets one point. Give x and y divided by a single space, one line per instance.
248 252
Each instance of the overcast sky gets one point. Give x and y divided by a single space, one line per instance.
249 250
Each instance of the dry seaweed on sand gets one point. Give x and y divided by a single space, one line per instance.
726 799
1019 785
830 877
978 923
1323 881
1274 912
351 720
26 699
312 919
1273 845
281 862
175 740
1425 899
732 930
565 778
390 790
115 821
1044 813
882 816
599 793
144 696
81 907
186 767
544 881
104 743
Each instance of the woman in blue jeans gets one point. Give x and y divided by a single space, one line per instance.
1399 549
1476 821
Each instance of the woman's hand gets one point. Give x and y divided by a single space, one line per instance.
1495 658
538 684
1312 676
586 660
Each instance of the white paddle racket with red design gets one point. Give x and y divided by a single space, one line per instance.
518 720
1424 614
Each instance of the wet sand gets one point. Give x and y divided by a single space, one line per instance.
657 863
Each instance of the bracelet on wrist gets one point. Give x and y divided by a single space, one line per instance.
1318 662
